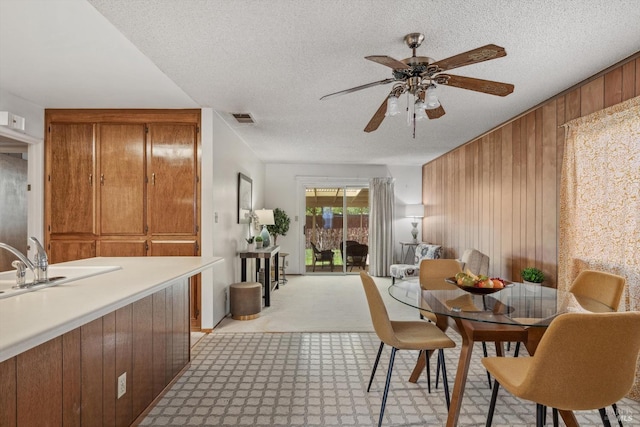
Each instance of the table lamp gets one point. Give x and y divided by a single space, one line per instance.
265 217
415 212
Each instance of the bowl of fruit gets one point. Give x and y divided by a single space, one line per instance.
480 284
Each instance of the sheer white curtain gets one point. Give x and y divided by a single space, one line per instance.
381 201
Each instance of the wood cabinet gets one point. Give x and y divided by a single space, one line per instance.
172 193
69 250
122 183
71 380
71 178
122 179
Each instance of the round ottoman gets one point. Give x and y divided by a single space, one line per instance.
245 300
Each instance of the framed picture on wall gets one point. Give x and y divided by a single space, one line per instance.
245 187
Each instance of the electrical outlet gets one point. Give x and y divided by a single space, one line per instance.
122 385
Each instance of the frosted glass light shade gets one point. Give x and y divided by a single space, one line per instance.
419 108
392 106
431 100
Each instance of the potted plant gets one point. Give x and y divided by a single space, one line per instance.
281 225
258 242
532 275
251 243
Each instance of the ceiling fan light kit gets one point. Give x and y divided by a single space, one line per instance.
419 76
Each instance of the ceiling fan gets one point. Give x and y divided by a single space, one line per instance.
420 75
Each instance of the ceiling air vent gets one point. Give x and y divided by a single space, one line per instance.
243 118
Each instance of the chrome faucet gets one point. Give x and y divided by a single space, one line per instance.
40 265
41 262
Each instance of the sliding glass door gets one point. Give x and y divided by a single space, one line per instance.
336 229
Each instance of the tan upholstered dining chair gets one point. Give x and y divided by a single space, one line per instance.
603 287
401 335
572 368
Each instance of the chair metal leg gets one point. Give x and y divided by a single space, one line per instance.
375 365
437 372
386 385
426 361
517 349
605 417
555 417
484 352
540 411
445 383
492 403
615 411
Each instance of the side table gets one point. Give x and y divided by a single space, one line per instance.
266 254
407 248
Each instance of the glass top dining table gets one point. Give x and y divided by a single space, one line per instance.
519 312
519 304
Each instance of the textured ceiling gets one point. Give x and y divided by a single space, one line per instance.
275 59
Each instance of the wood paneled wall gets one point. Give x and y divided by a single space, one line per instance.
499 193
71 380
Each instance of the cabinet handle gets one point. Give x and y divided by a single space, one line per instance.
90 180
101 179
153 179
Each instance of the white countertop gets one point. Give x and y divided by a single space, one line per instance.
32 318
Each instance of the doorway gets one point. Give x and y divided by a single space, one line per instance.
336 229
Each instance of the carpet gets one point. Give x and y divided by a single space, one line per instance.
319 304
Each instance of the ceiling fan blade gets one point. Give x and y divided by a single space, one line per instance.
388 61
377 118
479 85
484 53
436 113
357 88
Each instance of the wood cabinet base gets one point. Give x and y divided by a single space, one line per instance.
71 380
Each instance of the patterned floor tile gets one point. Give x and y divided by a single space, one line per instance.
320 379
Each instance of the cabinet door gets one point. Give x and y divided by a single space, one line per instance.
173 248
71 178
122 176
173 179
111 248
70 250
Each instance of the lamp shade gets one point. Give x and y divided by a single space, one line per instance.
414 211
265 216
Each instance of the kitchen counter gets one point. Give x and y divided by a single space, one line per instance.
32 318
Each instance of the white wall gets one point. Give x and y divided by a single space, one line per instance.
282 190
224 155
408 190
33 114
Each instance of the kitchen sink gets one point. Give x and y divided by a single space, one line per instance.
58 275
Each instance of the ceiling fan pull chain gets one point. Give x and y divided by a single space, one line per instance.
408 111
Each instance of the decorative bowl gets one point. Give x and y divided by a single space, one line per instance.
474 290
